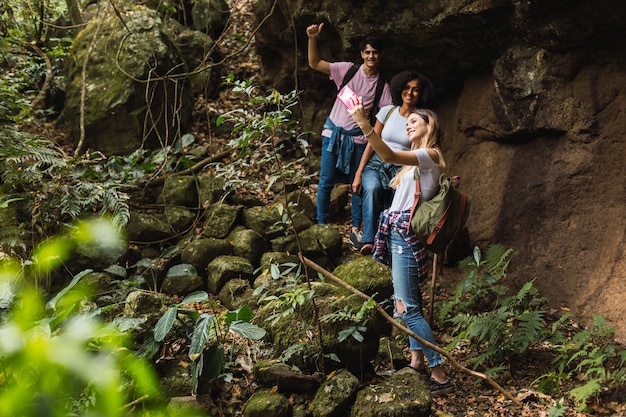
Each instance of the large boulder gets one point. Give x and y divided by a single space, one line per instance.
201 251
403 394
179 190
220 218
147 227
226 267
368 276
334 398
265 403
292 328
124 82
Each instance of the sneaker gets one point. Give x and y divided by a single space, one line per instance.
439 388
366 249
356 238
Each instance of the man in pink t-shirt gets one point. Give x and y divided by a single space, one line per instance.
343 142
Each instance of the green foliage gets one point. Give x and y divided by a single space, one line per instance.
293 295
29 54
348 315
480 289
499 327
142 164
506 331
14 104
558 410
49 189
263 133
208 336
25 20
58 358
593 357
288 301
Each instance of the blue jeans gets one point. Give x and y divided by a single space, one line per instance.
330 175
407 291
375 199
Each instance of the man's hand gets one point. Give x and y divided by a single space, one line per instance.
315 61
313 31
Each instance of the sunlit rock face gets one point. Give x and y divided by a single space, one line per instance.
531 95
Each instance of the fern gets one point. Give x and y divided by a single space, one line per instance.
13 237
526 297
530 329
582 393
479 290
53 189
558 410
498 260
498 327
592 356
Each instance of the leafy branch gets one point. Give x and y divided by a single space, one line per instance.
208 335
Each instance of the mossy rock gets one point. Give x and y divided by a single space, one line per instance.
368 276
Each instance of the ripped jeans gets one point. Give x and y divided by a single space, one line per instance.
408 295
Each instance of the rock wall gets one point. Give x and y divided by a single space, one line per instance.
532 95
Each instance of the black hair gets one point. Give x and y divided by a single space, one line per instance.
374 42
399 82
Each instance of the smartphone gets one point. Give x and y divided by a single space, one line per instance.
348 97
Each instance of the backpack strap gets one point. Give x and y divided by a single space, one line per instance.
417 195
380 86
351 71
389 113
441 222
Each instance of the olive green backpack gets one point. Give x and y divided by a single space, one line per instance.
437 222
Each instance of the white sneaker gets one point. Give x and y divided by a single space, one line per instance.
356 238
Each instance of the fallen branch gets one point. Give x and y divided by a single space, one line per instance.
403 329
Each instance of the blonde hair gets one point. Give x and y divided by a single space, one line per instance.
431 140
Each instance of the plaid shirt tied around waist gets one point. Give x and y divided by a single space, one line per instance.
399 221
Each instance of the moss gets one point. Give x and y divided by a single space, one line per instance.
128 81
266 402
403 394
368 276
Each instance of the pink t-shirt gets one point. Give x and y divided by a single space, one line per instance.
364 86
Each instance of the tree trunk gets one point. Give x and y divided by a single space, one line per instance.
74 9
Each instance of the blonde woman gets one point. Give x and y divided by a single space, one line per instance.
395 244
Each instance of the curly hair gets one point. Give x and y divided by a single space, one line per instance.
399 82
